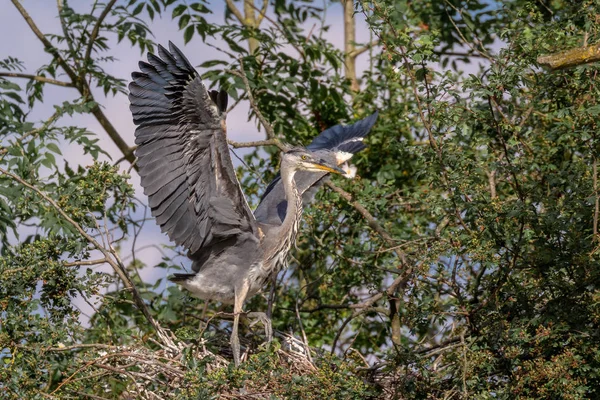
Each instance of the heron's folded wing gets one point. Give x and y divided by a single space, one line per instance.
183 157
336 144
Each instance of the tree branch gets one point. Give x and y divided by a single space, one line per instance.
35 131
96 30
261 118
357 52
59 5
37 78
113 261
81 85
262 12
53 50
371 221
234 10
268 142
571 58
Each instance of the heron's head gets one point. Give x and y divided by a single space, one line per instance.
300 159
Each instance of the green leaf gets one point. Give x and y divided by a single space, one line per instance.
184 21
53 147
188 33
177 11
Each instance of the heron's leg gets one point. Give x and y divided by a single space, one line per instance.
203 324
271 297
265 320
240 297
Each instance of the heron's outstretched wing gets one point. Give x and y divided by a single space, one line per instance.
336 144
183 156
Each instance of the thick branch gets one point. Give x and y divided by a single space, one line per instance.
234 10
571 58
37 78
113 133
349 48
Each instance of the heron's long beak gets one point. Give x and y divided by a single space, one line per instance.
329 168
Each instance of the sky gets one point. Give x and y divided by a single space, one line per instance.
20 42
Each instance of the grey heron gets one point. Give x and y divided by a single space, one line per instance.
194 195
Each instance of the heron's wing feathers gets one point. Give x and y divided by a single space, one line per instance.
348 139
336 144
183 156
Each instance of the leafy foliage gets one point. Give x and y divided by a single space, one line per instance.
474 275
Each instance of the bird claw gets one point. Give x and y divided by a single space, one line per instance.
266 321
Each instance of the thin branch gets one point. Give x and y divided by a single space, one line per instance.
87 262
81 346
36 131
59 5
465 41
597 200
363 49
371 221
365 306
261 118
281 29
268 142
114 262
96 30
49 47
37 78
91 396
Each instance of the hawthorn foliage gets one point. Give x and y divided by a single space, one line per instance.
463 262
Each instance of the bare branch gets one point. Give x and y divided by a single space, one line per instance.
349 47
81 346
492 182
37 78
572 57
87 262
261 118
357 52
268 142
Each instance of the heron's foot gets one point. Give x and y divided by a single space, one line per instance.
266 321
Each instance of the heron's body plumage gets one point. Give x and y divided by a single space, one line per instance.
193 192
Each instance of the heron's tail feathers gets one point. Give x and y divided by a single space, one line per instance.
181 277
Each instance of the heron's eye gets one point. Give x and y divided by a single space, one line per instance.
304 157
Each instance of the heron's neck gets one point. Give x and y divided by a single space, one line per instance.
294 205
